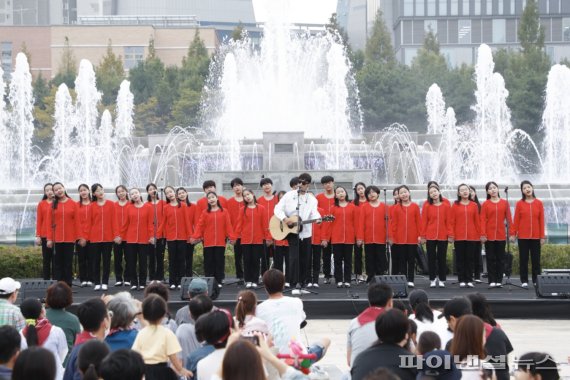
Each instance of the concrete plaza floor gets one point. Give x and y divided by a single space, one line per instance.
551 336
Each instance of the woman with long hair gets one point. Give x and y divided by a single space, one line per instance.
468 347
66 230
253 230
104 231
478 257
359 201
84 259
341 234
245 313
435 233
528 226
465 232
214 229
138 232
406 227
156 252
495 212
44 207
371 233
173 226
190 211
119 253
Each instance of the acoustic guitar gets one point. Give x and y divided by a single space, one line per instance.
280 230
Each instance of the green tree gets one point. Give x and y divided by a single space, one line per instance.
530 31
24 49
67 70
44 108
237 33
379 45
110 73
146 76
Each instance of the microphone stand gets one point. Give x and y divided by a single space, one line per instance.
508 255
388 251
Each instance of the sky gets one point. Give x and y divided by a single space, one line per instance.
299 11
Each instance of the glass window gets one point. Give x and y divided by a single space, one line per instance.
420 7
430 25
408 7
454 7
499 31
501 7
465 8
6 59
565 7
489 7
443 7
477 7
553 6
511 9
431 7
565 30
464 32
133 55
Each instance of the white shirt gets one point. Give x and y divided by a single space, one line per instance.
57 345
211 364
287 206
283 317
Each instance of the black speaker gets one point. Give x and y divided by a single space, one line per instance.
35 288
553 286
397 282
213 289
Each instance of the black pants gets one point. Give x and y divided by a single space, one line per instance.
63 262
85 261
47 261
137 253
327 261
407 258
299 250
281 259
358 259
176 261
251 255
477 261
101 252
437 259
495 254
464 252
314 264
375 260
188 272
395 258
266 258
238 258
156 260
532 247
342 262
119 255
215 262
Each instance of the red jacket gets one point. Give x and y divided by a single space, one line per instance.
465 222
191 213
269 205
138 227
493 216
317 237
372 224
234 207
529 220
173 224
436 221
203 204
44 207
68 227
214 228
405 224
103 225
121 214
342 229
84 215
252 225
325 203
158 215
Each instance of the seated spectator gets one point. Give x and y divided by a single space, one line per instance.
204 333
453 309
482 309
9 314
468 347
157 344
35 363
216 333
162 290
392 332
438 365
412 337
122 364
197 287
186 333
40 332
245 314
536 366
9 350
361 330
58 297
90 357
124 310
429 341
425 317
95 320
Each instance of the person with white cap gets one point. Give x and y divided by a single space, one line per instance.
10 314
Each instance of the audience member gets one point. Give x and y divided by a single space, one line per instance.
90 357
9 350
95 320
162 290
248 323
35 363
425 317
437 365
122 364
58 297
361 330
9 314
452 311
536 366
207 338
124 310
196 287
468 347
216 333
186 332
428 341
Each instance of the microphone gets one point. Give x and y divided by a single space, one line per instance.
506 189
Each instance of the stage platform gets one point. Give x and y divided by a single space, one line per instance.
345 303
